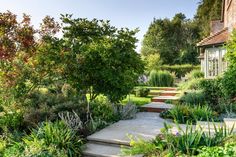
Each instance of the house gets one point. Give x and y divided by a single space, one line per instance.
212 49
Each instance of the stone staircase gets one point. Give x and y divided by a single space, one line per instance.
109 141
167 94
102 149
156 107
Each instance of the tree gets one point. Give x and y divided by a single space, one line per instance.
153 62
174 40
100 58
207 11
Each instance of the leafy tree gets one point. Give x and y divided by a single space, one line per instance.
100 58
153 62
174 40
207 11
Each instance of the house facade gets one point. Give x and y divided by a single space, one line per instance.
212 50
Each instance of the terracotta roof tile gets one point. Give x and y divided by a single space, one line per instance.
215 39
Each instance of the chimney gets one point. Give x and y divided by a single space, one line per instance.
216 26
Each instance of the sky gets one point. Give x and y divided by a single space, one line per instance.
121 13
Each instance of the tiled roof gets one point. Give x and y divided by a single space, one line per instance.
215 39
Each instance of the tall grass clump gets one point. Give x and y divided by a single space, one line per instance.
161 79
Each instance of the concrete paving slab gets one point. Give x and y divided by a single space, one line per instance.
98 150
167 97
158 105
146 126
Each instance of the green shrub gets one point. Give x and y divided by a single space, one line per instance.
187 113
193 84
11 121
180 70
53 139
195 74
212 89
142 92
218 151
102 109
229 83
161 79
193 98
140 146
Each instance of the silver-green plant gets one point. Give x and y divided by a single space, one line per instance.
72 120
125 112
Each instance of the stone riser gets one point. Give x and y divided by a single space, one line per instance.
158 100
154 93
109 142
168 94
157 110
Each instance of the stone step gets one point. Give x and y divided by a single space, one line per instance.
156 107
103 150
162 88
169 93
154 93
108 141
164 98
230 123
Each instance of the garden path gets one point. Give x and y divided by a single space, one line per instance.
108 142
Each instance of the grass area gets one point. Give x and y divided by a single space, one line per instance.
137 100
155 91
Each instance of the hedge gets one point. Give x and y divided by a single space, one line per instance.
180 70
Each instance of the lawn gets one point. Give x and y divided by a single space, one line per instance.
137 100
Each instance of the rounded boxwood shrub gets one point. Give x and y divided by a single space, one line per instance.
161 79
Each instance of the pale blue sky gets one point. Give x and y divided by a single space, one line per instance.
121 13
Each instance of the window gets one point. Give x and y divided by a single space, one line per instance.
215 63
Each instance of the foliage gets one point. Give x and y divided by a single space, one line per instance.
207 11
152 61
141 92
161 79
173 39
187 113
193 98
100 58
184 142
195 74
212 90
218 151
139 101
180 70
140 146
102 109
11 121
228 86
194 84
72 120
49 139
127 111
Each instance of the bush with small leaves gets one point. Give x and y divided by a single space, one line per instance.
141 92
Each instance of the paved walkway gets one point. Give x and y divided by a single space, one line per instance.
146 126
